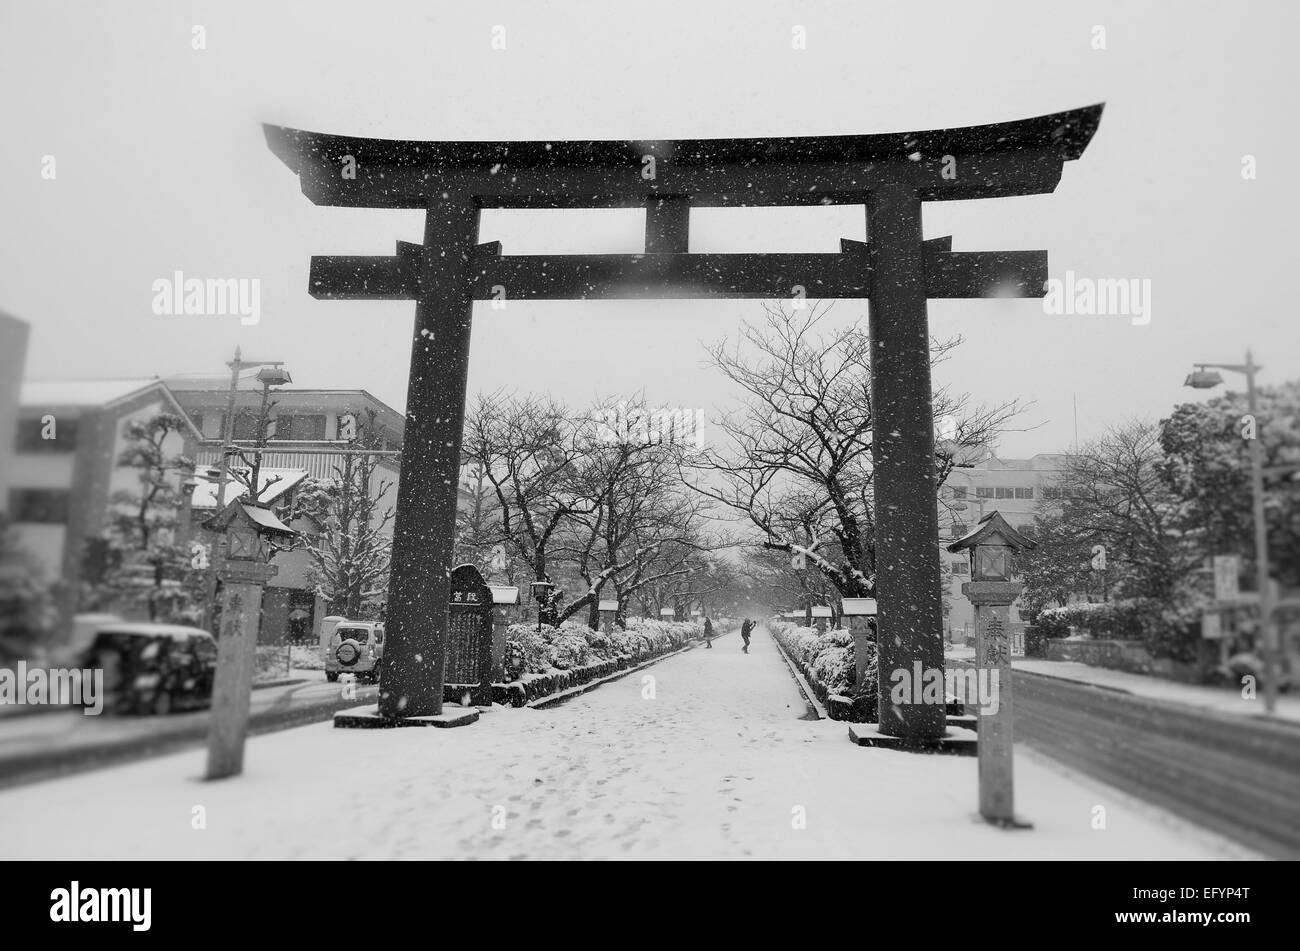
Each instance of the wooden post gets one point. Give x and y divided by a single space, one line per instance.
910 609
241 611
424 530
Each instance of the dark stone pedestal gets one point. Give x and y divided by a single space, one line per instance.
955 741
369 718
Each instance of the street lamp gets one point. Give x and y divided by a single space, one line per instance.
540 590
274 371
203 475
1204 378
271 374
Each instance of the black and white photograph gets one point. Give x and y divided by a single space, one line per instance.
673 431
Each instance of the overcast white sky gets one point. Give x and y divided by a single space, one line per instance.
161 166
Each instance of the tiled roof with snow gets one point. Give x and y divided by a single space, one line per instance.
205 493
49 393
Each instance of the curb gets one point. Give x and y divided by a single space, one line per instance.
38 766
804 687
288 682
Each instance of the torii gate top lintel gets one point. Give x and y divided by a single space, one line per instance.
668 178
1008 158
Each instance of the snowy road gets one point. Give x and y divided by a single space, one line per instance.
37 746
718 764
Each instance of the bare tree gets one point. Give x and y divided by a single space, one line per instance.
796 459
1115 494
639 506
351 554
531 452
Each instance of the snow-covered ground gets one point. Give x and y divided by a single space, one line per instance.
717 765
1221 699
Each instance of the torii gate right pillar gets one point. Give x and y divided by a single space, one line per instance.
910 621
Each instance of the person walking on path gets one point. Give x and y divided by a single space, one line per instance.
744 634
708 634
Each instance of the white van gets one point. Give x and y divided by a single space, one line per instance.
327 626
355 647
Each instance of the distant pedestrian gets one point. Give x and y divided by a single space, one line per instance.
744 634
708 634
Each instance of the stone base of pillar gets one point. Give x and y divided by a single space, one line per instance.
368 718
955 741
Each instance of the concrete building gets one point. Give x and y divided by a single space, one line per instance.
308 428
1013 487
67 467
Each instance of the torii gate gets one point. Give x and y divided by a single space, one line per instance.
896 270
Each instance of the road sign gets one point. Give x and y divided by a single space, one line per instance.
1227 568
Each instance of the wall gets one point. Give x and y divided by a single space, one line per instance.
13 355
1130 656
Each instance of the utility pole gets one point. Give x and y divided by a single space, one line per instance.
223 467
1202 378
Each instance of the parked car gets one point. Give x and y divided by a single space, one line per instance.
355 647
154 668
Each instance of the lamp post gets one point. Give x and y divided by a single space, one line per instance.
227 437
1204 378
540 590
196 478
992 546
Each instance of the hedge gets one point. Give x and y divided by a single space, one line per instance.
827 661
558 658
1171 632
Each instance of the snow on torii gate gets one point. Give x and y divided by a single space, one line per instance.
896 270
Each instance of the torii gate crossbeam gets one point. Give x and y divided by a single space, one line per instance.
897 270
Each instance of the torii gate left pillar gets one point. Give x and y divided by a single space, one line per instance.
896 270
425 530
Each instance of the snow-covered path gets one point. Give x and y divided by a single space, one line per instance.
717 764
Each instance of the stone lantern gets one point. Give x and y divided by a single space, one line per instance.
244 572
992 545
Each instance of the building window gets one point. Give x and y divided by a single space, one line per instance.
44 506
300 428
197 420
245 426
1052 493
959 492
1005 492
31 435
961 567
983 492
309 427
1025 493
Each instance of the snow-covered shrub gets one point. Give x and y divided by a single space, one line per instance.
569 648
833 668
534 646
829 662
573 644
1125 619
307 657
